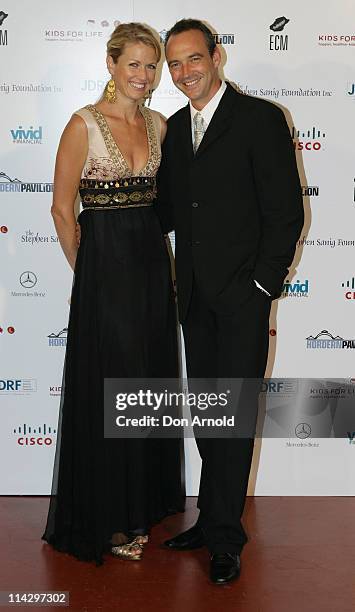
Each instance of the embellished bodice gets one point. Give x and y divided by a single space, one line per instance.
106 179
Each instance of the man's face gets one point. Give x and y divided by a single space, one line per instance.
192 68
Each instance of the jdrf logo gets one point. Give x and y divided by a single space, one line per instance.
29 136
91 85
272 386
10 385
20 385
284 386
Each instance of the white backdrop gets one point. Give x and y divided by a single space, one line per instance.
52 63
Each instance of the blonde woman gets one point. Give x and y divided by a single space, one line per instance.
107 493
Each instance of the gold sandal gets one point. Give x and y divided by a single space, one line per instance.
132 551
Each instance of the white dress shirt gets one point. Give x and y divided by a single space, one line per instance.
207 113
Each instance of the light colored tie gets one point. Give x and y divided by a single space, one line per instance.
199 130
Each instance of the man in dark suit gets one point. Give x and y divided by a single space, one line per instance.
229 186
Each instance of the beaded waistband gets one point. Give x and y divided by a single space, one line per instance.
128 192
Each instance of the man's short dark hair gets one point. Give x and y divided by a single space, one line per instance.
184 25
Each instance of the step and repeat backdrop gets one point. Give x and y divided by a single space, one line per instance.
300 57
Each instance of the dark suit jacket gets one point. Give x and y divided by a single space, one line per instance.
236 206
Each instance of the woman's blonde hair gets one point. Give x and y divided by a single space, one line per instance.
131 33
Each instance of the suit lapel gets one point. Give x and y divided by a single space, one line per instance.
220 120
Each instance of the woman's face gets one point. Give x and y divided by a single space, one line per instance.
134 72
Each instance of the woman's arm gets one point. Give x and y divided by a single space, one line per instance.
71 157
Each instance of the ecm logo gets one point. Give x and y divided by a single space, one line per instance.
278 42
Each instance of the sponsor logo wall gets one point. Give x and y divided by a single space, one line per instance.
290 56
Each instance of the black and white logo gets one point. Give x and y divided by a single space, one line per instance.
279 24
28 279
3 17
278 42
9 184
3 33
303 430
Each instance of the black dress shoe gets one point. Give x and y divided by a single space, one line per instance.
225 567
187 540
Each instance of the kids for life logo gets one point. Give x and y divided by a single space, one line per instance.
30 135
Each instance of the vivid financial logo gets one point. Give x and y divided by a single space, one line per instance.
325 340
27 136
296 289
309 140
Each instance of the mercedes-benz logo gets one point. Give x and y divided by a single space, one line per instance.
28 279
303 430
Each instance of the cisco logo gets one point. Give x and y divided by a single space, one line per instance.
309 140
41 435
349 286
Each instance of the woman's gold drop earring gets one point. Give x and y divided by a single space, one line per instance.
110 91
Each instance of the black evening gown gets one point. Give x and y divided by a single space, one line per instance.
122 324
